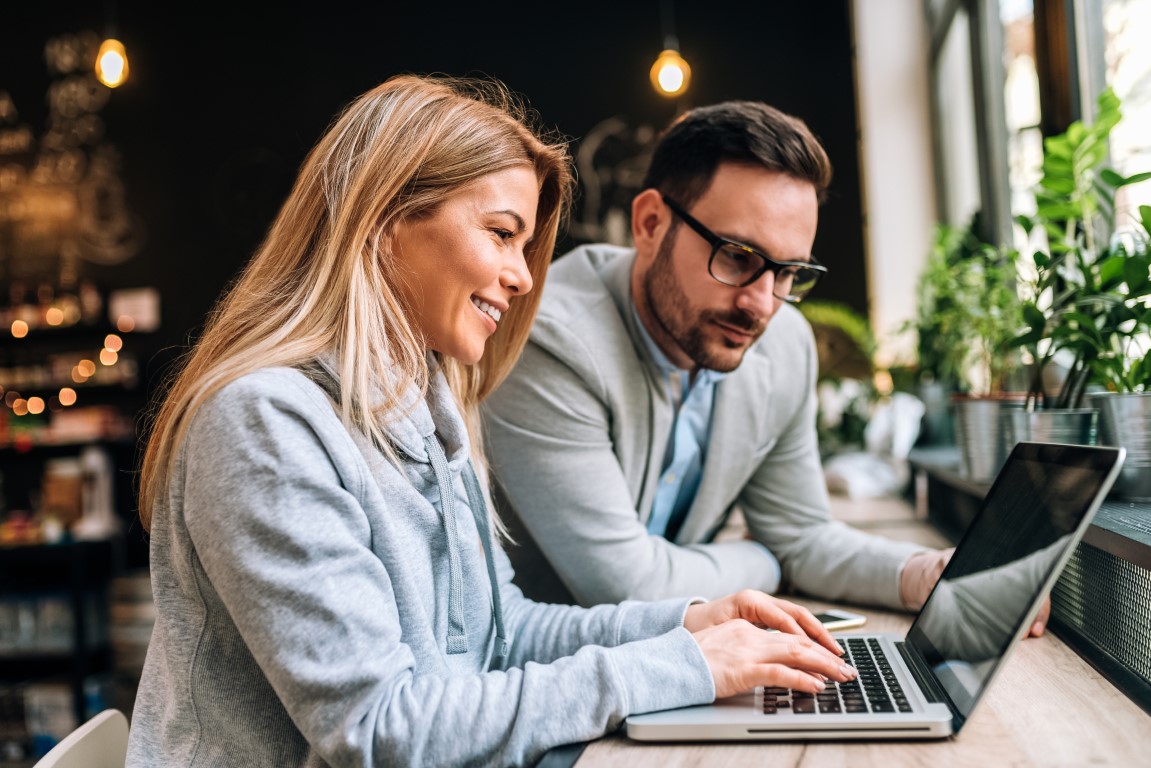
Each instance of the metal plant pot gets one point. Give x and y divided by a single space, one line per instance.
1077 426
979 434
938 425
1125 420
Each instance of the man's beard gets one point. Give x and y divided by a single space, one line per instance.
670 308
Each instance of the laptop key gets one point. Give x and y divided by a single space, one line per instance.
804 707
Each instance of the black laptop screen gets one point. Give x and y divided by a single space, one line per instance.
1030 518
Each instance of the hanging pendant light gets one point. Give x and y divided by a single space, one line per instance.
112 58
112 63
670 74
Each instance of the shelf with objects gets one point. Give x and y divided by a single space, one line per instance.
55 653
72 398
72 392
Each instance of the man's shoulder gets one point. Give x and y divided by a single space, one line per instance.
582 321
585 295
580 281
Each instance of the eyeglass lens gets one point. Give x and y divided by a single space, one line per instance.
737 266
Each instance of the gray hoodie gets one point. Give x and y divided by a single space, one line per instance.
317 605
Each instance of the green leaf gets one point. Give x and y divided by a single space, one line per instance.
1135 274
1075 133
1136 178
1034 318
1056 148
1111 268
1059 211
1111 177
1058 182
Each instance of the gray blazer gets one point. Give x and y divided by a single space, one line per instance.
576 436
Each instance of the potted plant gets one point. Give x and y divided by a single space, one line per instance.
1083 295
1122 365
968 315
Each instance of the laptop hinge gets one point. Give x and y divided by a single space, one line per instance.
927 682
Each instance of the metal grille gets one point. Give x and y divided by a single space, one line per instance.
1107 600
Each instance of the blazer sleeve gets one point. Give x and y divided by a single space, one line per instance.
785 506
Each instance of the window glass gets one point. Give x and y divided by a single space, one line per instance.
1021 103
956 110
1127 28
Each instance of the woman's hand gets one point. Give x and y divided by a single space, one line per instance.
761 610
741 654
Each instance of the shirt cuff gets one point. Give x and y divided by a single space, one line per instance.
774 574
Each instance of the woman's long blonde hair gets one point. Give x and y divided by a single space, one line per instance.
324 279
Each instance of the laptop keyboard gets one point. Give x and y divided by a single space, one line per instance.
876 689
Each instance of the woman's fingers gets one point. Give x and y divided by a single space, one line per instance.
814 628
742 656
788 617
795 679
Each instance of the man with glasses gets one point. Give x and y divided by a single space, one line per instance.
668 383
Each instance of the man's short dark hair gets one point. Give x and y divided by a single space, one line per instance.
748 132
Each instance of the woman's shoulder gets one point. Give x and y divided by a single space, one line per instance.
279 384
267 394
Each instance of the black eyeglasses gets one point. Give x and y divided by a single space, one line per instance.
737 265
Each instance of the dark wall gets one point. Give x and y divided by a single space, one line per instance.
223 104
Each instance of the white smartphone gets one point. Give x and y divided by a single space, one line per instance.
834 619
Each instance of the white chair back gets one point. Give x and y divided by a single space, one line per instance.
102 742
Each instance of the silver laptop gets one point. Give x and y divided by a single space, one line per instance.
926 684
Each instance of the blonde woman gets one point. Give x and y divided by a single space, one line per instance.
328 587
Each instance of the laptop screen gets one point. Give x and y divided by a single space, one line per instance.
1032 515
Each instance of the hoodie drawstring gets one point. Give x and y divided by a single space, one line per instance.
480 511
457 632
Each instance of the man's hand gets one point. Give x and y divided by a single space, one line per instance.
1040 623
920 573
741 655
923 569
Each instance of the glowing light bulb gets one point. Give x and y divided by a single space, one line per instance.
670 74
112 63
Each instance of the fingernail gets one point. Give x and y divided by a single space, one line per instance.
848 671
838 648
820 685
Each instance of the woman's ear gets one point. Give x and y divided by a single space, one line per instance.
387 240
650 219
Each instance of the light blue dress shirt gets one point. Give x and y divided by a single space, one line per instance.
683 459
